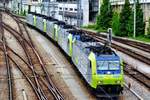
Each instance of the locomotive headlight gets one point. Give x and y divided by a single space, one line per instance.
100 82
118 82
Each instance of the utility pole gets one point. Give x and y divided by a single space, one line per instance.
134 35
48 12
53 14
21 6
63 14
4 3
78 13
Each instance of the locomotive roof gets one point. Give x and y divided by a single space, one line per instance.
85 38
32 12
101 50
112 57
51 19
75 32
68 27
60 23
98 49
82 36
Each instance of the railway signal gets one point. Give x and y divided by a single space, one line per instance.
109 36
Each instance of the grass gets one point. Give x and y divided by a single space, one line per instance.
142 38
93 27
90 26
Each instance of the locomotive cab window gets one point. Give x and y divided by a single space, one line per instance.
108 65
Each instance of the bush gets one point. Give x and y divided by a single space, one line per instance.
148 29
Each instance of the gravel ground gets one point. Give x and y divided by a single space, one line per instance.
146 54
140 90
135 63
3 77
19 81
8 20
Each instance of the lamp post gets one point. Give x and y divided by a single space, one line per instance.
134 35
21 6
63 8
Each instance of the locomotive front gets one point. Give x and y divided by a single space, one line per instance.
107 73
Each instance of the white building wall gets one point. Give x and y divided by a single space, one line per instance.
85 9
68 6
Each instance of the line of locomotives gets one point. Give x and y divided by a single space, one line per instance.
99 65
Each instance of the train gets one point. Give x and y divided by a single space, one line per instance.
99 65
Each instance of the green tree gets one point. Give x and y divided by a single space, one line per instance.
148 29
98 22
140 25
24 12
130 25
115 23
126 20
105 17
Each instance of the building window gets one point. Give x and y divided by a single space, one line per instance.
60 8
75 9
66 8
44 0
71 9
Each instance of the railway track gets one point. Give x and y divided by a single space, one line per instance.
135 44
138 45
138 76
33 58
125 50
107 96
10 85
52 88
26 75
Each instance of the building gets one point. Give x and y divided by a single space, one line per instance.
74 12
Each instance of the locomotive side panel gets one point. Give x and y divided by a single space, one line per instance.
30 19
80 59
50 28
61 33
40 23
